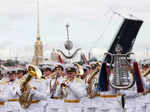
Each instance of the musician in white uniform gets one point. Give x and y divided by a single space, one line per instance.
143 103
55 102
73 90
3 97
11 105
1 75
36 91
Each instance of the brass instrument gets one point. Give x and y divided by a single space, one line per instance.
122 77
92 80
64 84
147 72
53 89
80 70
25 99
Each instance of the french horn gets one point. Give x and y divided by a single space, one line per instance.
122 72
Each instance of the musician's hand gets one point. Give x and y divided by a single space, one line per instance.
92 94
52 89
32 91
34 88
57 83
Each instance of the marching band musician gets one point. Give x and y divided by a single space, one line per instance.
47 71
1 75
73 91
55 92
20 73
86 69
12 104
143 99
91 86
46 77
3 97
140 93
59 69
106 98
31 92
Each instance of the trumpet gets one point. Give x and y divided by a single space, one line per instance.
64 84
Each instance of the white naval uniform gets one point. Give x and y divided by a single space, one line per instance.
38 100
12 104
107 102
3 97
143 100
88 102
74 93
55 104
130 99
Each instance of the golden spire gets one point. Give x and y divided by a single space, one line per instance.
38 21
38 47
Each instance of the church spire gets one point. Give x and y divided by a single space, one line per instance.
38 21
38 47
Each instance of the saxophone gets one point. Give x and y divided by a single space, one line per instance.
53 89
25 99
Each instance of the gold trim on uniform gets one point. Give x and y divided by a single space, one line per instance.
2 103
108 96
14 100
72 101
35 101
57 98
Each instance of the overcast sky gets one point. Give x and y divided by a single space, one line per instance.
92 25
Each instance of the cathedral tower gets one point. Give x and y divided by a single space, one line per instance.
38 47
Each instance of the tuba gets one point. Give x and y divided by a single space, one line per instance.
25 99
92 80
122 73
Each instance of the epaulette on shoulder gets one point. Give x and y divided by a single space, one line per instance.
38 80
78 80
3 82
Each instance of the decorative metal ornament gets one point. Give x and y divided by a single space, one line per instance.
68 45
71 56
122 72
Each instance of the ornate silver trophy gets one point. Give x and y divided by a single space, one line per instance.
121 76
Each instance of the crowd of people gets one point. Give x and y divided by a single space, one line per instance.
66 88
